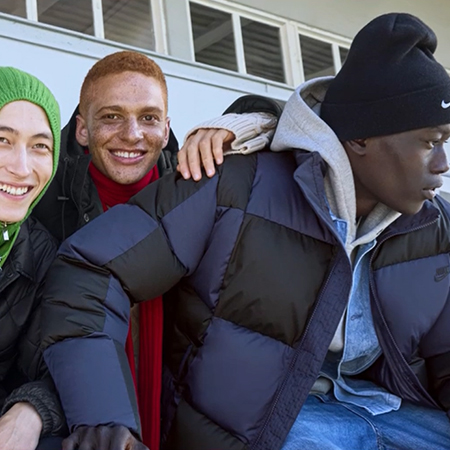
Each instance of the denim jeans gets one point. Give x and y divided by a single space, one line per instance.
326 424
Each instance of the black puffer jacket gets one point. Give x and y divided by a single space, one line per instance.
21 283
72 199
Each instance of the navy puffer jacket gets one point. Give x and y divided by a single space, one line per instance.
260 282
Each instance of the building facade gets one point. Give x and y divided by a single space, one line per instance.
212 51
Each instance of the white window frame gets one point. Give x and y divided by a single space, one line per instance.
236 13
157 18
31 9
289 34
289 38
334 40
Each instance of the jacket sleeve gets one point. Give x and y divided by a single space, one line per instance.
132 252
436 351
43 397
39 391
251 118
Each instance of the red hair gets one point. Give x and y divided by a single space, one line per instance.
116 63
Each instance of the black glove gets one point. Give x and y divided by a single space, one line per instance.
102 438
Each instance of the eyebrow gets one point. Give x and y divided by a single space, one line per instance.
43 136
110 108
119 108
8 130
35 136
441 128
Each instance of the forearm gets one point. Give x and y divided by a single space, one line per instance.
42 397
252 131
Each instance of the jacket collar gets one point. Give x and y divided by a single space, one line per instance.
20 260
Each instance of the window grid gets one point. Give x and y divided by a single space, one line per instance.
289 34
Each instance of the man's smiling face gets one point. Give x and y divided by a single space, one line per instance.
26 158
125 125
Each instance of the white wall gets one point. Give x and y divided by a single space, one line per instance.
62 58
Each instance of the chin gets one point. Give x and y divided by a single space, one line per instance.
411 210
125 178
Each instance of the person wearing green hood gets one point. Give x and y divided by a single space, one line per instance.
30 413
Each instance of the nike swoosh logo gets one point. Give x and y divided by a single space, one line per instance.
445 105
441 273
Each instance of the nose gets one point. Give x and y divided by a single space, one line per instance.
439 162
132 131
18 162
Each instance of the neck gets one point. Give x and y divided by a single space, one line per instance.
112 193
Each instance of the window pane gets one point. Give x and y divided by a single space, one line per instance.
129 22
317 57
69 14
262 50
213 37
13 7
343 52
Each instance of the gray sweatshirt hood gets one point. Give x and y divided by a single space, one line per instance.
300 127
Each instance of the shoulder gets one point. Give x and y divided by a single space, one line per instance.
36 247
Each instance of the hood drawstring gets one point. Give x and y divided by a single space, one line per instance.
5 232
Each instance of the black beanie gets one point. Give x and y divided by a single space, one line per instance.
390 82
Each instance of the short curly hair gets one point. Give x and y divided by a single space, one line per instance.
116 63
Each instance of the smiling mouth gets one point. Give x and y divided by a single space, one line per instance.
127 154
14 190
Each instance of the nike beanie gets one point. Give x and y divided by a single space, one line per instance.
390 82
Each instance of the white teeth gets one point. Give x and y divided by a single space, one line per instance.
127 154
14 190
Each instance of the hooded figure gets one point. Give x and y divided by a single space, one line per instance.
29 151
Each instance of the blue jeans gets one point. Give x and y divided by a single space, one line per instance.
326 424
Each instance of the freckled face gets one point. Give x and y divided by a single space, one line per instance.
26 158
125 125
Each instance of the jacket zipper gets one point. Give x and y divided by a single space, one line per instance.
372 287
294 360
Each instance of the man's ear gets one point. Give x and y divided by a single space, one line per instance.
356 146
81 132
166 132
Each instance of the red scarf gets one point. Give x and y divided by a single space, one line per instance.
148 384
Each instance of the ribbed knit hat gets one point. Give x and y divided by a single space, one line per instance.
390 82
16 85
